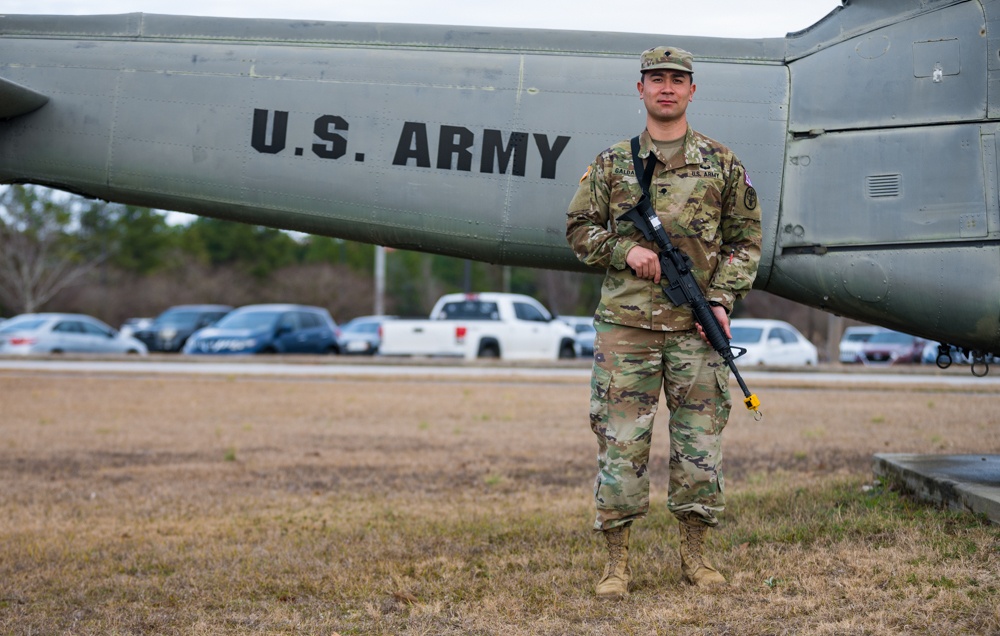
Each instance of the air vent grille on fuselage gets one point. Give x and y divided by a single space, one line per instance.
882 185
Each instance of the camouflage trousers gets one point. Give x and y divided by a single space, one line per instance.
630 366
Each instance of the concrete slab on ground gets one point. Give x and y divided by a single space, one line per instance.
961 482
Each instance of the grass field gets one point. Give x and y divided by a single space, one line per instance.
149 504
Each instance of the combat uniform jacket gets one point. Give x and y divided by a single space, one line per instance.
706 203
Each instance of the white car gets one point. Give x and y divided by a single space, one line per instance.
63 333
771 342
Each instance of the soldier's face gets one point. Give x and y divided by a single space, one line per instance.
666 94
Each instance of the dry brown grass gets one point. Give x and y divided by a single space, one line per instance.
168 505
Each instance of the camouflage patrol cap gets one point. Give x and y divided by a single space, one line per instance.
666 57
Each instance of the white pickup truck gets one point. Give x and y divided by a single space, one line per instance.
486 325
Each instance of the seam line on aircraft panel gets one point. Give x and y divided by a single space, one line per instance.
479 176
813 133
819 250
436 45
61 131
112 127
317 215
285 195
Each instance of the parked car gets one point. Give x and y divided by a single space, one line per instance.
585 333
771 342
277 328
892 347
132 325
854 339
172 328
362 335
64 333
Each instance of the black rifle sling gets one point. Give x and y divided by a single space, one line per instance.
643 173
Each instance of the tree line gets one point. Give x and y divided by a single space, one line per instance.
59 252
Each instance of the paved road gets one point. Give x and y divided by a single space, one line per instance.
343 367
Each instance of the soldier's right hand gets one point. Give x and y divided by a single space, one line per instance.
644 263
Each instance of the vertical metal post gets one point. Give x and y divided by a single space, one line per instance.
834 332
379 280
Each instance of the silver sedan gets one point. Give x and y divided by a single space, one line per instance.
63 333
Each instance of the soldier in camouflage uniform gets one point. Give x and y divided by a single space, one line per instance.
704 198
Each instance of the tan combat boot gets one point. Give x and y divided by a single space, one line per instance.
696 568
617 573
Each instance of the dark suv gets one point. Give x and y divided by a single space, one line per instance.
172 328
276 328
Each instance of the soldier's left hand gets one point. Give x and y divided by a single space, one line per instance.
722 317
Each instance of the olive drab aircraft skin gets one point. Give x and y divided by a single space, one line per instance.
872 138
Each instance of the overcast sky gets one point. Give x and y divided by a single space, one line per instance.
723 18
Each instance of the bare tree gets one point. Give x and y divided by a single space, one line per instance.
38 255
344 292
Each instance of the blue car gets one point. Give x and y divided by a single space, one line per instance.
362 335
269 329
